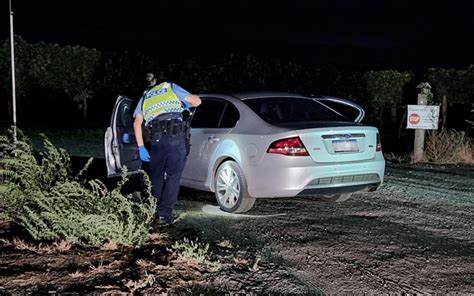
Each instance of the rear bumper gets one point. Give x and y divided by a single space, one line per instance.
339 190
283 176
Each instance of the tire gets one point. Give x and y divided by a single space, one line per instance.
231 188
336 197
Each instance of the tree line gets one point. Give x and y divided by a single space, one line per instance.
86 77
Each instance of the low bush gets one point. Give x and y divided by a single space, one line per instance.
197 251
449 147
45 198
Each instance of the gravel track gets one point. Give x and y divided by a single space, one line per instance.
414 235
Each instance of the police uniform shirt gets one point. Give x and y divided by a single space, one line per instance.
180 92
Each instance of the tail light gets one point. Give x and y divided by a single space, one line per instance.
289 146
379 143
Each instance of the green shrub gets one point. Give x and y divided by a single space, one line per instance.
44 197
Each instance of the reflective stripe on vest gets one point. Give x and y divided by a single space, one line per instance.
160 99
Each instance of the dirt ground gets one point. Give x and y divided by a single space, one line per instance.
414 235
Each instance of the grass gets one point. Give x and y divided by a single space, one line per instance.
88 143
77 142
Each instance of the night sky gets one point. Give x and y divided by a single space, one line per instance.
369 33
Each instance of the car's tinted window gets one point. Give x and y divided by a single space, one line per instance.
230 117
208 114
287 110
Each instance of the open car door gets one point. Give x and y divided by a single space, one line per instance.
344 107
120 146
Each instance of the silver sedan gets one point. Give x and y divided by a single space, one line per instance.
259 145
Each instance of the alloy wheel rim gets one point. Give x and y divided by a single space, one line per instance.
228 187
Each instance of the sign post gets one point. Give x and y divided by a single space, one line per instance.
12 51
421 117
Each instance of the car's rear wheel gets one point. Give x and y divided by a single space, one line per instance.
231 188
336 197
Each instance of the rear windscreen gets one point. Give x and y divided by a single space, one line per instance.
288 110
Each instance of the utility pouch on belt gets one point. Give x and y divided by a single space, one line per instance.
175 128
169 124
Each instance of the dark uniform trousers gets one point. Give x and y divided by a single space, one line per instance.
168 155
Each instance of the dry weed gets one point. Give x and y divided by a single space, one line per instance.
240 260
4 242
101 268
110 291
255 267
449 147
109 246
76 275
225 244
145 264
59 246
157 238
62 246
466 155
147 281
392 157
184 261
24 246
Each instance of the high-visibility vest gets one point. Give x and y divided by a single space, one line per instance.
158 100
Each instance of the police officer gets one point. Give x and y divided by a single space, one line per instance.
160 109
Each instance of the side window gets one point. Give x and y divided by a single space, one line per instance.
208 114
230 117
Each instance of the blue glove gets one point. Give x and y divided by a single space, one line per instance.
144 155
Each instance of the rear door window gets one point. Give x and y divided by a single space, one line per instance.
215 113
208 114
288 110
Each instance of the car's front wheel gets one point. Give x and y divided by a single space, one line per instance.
231 188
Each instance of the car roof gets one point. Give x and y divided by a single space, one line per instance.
265 94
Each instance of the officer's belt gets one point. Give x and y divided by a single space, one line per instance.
167 124
167 116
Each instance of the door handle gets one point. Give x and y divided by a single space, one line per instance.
213 139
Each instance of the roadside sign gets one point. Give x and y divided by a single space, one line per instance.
422 117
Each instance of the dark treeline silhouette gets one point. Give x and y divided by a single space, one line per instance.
76 87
